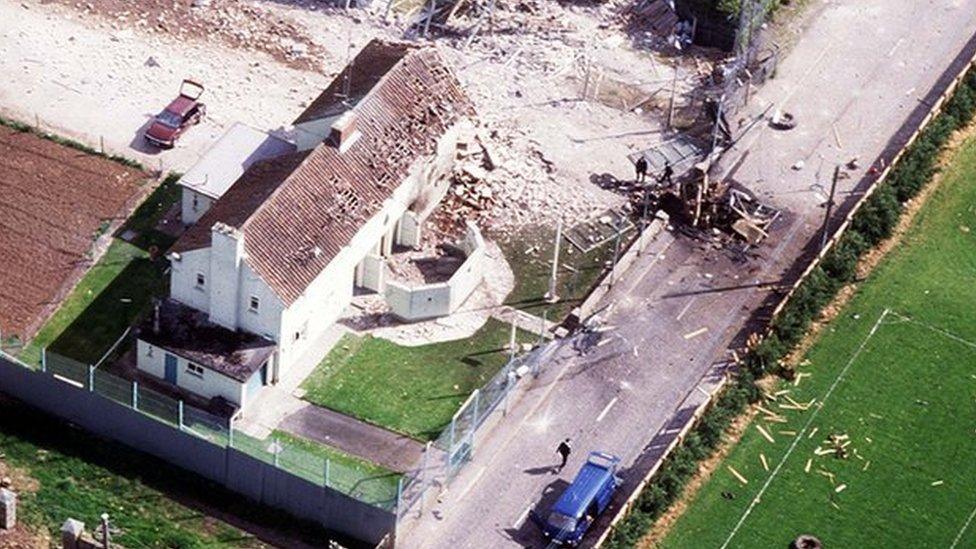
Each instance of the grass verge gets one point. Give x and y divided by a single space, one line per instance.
411 390
529 253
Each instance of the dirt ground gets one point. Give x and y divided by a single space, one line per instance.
20 537
564 91
54 204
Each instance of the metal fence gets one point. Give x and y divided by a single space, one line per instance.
332 471
446 456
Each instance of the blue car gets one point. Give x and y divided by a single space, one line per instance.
584 500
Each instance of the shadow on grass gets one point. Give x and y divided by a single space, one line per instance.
50 435
147 216
92 333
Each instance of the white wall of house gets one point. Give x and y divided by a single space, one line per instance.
194 205
266 319
183 273
226 255
151 359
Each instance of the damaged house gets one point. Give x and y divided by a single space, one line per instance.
274 256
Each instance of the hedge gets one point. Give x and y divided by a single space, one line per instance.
872 224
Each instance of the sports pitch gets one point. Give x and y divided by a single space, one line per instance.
893 378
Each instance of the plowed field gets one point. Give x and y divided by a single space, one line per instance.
54 203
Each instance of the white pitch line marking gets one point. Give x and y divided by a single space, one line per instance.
606 409
813 416
965 527
685 310
518 521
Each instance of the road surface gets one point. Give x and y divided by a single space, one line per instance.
857 81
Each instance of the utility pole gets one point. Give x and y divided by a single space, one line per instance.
674 85
616 247
551 296
829 208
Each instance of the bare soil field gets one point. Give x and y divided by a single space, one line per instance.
55 202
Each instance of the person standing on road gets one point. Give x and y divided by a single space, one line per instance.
640 167
563 450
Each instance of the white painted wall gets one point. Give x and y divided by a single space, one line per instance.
183 279
194 205
267 319
226 253
309 135
151 360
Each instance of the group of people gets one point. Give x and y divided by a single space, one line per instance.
640 167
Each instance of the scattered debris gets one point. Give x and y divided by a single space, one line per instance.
737 475
765 434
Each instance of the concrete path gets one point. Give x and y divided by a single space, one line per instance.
391 450
677 311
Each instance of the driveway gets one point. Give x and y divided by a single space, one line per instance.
677 312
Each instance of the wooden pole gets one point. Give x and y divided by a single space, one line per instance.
551 294
674 85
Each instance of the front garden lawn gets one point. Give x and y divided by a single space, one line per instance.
411 390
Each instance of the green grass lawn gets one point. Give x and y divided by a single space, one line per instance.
577 272
114 292
905 401
412 390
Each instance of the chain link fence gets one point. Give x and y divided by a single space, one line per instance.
447 455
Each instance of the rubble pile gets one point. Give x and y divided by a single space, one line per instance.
239 24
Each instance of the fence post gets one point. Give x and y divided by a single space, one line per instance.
474 424
423 483
91 378
277 450
230 432
327 467
135 395
399 495
44 359
180 414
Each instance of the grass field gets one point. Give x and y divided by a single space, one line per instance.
412 390
900 384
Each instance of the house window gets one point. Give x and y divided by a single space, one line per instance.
255 304
149 350
196 202
194 370
302 332
201 280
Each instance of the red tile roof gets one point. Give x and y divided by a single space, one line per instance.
298 213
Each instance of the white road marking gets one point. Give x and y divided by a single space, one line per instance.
606 409
696 333
799 437
518 521
685 310
965 527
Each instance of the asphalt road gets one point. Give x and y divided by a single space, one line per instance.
856 81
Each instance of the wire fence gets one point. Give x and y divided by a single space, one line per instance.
326 467
447 455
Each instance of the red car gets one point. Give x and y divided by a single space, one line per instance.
184 111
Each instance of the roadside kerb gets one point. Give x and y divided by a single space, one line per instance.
637 246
